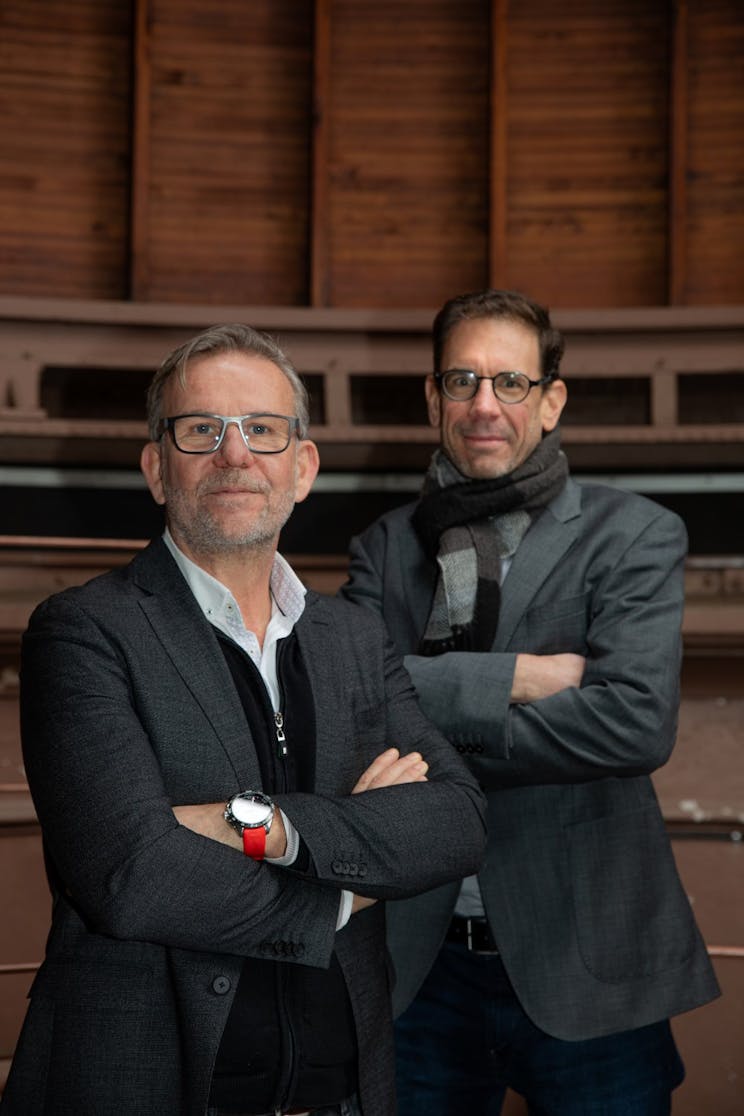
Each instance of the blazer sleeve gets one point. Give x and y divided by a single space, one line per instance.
620 722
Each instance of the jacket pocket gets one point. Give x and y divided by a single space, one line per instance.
632 916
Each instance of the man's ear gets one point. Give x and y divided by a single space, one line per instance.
552 403
152 468
308 463
433 401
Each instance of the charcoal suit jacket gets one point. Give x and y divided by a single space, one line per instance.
128 707
579 881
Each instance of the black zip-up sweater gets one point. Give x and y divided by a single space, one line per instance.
290 1038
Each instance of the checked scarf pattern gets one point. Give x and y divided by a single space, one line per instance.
469 527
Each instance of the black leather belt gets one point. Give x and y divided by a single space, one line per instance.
474 933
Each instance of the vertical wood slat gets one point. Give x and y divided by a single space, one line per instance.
319 231
140 181
664 401
678 156
497 218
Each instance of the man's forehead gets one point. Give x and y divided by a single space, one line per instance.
490 332
213 372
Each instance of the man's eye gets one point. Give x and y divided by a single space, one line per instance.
204 428
258 429
460 379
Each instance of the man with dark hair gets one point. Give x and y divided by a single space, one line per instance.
540 623
229 773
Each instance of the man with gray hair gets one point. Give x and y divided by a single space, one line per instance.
230 773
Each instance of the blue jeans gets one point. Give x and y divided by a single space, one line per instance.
465 1039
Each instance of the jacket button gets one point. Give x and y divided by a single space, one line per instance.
221 985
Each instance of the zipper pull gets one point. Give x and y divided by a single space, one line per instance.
280 737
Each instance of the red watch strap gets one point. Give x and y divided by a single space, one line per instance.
254 842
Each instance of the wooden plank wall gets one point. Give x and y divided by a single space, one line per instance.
64 157
373 153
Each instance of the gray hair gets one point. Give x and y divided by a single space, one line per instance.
223 339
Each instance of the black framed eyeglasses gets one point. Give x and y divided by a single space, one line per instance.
262 432
461 384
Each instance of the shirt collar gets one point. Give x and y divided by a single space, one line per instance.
287 591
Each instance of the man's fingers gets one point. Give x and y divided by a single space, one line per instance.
360 903
375 769
391 769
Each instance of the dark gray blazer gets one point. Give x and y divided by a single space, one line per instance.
128 707
579 881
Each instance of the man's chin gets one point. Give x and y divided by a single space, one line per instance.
484 468
212 540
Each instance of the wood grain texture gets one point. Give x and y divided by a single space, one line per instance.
408 151
64 156
588 151
715 190
229 161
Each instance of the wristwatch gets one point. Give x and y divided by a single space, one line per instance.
251 813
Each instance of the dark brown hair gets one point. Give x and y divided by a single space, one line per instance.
509 305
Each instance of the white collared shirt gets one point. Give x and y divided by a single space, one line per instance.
221 609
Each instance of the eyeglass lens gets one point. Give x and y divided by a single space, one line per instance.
462 383
204 433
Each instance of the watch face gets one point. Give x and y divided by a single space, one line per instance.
251 810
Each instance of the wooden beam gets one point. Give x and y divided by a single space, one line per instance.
664 403
497 254
678 156
319 221
139 276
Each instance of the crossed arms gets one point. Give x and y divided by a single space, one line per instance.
606 706
112 738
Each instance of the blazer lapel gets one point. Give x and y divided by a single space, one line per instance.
539 553
192 646
418 577
322 644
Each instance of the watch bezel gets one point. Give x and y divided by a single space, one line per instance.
255 797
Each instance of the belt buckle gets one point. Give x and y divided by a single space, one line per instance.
470 924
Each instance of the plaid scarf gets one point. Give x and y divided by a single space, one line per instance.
469 526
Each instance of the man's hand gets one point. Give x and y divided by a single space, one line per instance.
541 676
391 769
360 903
209 821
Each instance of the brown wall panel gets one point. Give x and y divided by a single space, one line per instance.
715 186
587 148
354 153
64 156
24 925
229 133
408 151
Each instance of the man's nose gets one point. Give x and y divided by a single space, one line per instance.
233 450
484 402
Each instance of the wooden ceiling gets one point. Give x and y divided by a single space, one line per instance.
351 153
